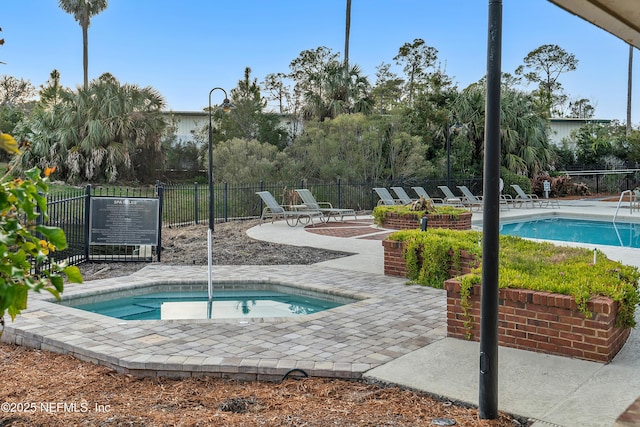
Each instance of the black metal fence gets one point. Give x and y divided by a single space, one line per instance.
70 211
188 204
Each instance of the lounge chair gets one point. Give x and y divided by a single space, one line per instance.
293 217
449 197
402 195
635 200
523 198
421 192
469 199
385 197
325 207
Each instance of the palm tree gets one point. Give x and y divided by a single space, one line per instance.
346 35
108 132
82 11
523 129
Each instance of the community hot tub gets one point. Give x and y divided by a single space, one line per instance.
230 300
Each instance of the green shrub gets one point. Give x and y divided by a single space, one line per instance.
526 264
25 242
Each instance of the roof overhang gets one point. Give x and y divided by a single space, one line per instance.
619 17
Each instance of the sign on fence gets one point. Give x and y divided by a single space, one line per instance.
124 221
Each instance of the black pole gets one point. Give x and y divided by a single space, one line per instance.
448 156
210 169
226 107
488 398
87 220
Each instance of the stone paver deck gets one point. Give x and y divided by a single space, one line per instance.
392 320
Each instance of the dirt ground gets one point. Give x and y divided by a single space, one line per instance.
45 389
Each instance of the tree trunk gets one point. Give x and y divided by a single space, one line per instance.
346 35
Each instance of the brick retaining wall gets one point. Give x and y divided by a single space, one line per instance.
528 320
396 221
542 322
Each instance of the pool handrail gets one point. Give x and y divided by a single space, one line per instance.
620 201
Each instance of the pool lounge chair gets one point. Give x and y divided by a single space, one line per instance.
385 197
291 215
325 207
421 192
635 200
469 200
449 197
523 198
402 195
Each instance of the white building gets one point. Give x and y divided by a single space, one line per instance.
561 127
188 122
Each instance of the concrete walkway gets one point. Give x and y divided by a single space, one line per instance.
553 390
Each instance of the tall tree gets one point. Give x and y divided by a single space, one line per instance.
274 85
581 108
523 133
387 91
544 66
416 57
327 87
347 31
82 11
248 120
15 92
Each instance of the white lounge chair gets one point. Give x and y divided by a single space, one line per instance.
385 197
291 215
421 192
524 198
449 197
402 195
469 199
325 207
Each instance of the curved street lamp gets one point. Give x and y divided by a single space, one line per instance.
226 106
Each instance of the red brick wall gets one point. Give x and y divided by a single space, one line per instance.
543 322
395 221
394 263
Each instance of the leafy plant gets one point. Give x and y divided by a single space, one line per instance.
525 264
428 254
24 242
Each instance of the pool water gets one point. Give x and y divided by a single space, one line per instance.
576 230
225 304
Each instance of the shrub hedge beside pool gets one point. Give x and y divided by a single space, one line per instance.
552 299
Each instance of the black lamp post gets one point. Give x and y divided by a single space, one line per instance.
226 107
453 128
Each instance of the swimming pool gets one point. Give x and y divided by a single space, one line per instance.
237 302
576 230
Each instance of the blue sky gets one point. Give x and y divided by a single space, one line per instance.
183 49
